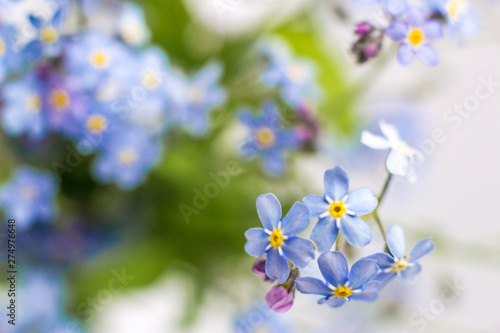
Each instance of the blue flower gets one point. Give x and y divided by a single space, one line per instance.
93 56
268 139
401 159
341 284
22 109
29 198
193 98
339 210
48 41
277 238
9 60
260 317
398 264
126 157
415 36
132 27
296 78
460 18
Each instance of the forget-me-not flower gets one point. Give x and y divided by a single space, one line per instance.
341 284
339 210
29 197
415 34
397 264
268 139
401 158
278 237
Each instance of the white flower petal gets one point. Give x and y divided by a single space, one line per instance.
374 141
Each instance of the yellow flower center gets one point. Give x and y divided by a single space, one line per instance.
59 99
96 124
343 292
416 37
296 72
400 265
150 81
276 238
49 35
337 209
265 137
127 156
403 147
33 103
99 59
455 8
2 47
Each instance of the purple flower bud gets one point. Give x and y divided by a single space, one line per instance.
363 29
279 299
259 268
371 51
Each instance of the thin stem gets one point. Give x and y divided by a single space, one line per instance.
339 244
384 190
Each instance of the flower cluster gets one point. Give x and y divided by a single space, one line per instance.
282 254
109 92
415 28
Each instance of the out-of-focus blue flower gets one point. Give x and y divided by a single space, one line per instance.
29 198
392 7
268 139
339 210
126 157
296 78
93 56
277 238
48 41
397 264
260 317
415 36
41 298
193 98
460 17
341 284
96 125
22 109
401 158
153 72
132 27
9 60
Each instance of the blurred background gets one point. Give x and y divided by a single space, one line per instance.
161 249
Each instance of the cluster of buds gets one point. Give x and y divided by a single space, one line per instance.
280 297
369 42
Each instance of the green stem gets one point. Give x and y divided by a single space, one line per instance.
384 190
375 212
339 244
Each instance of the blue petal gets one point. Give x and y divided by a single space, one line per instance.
274 164
334 267
406 55
395 238
296 220
433 30
409 273
421 249
334 302
362 201
325 233
397 31
309 285
369 294
385 278
316 205
383 260
355 231
269 210
277 266
257 242
362 272
299 251
336 183
428 55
